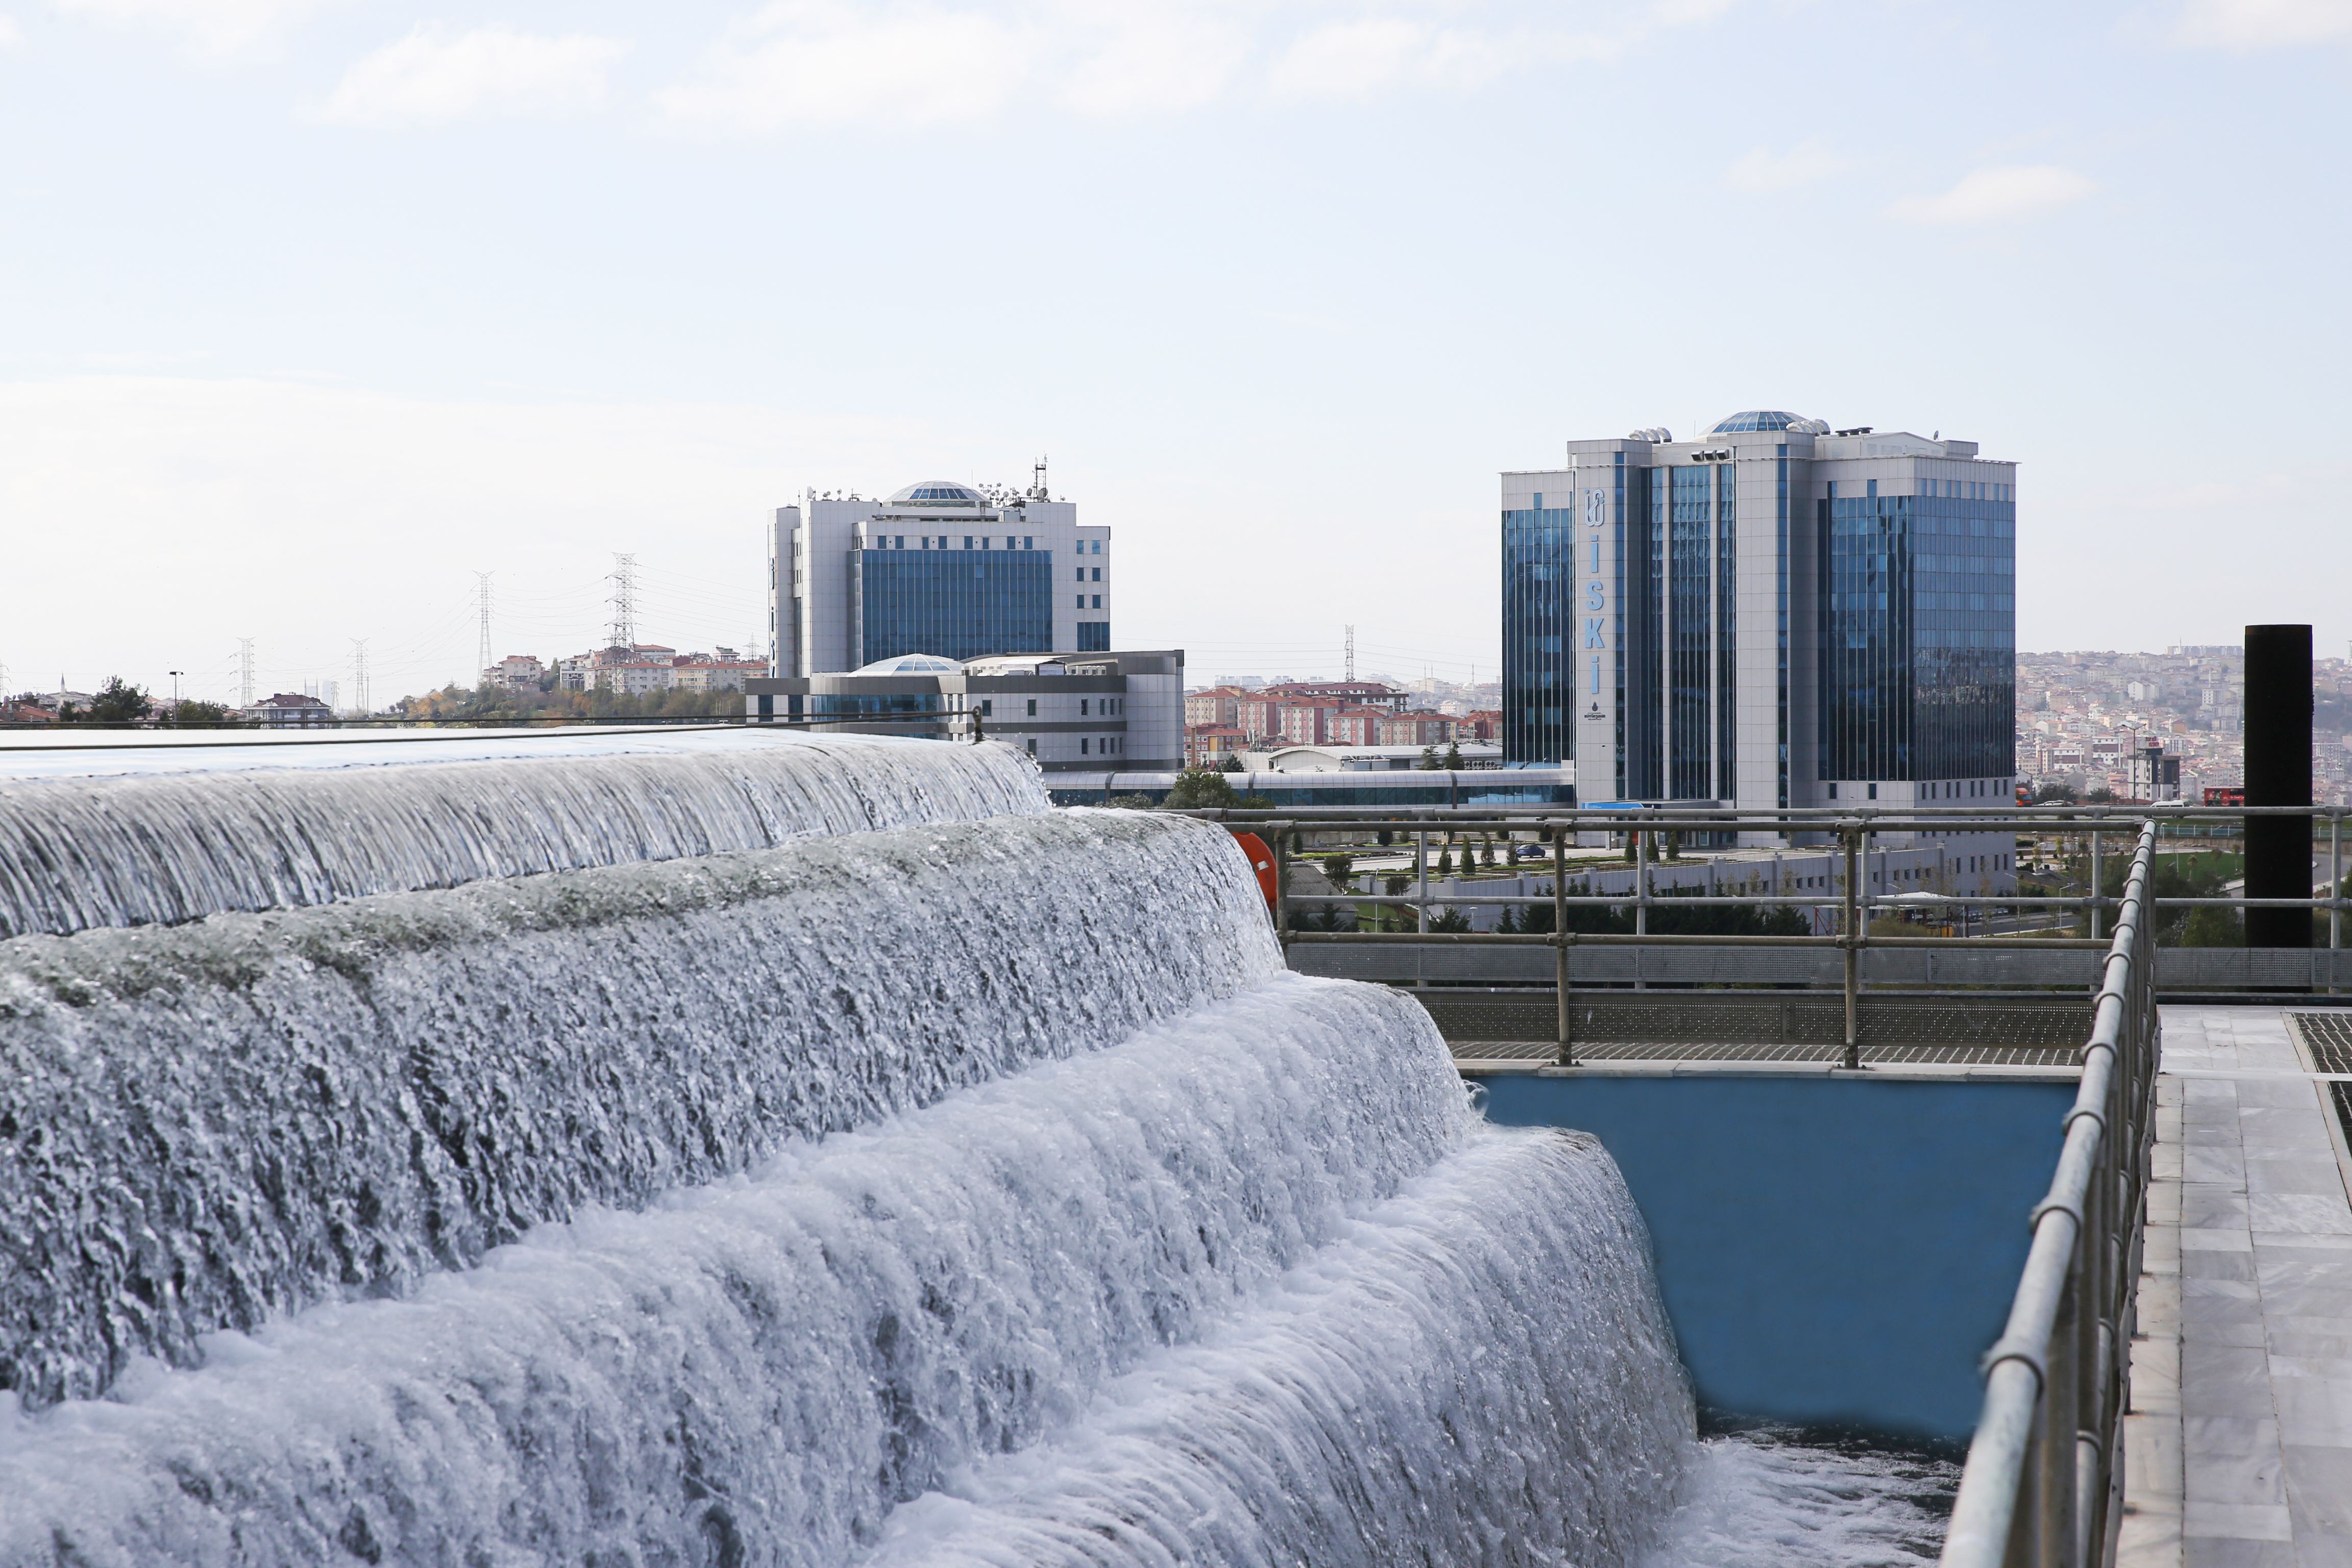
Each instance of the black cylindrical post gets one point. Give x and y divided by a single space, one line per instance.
2278 773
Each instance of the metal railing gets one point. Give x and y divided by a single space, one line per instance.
2043 1486
1846 837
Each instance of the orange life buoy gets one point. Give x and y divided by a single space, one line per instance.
1261 859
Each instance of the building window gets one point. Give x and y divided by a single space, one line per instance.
1082 707
1082 602
1082 745
1033 747
1028 541
1097 601
1082 573
1098 550
988 708
1873 792
967 542
1033 713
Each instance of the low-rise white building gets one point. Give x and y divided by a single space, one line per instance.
1068 711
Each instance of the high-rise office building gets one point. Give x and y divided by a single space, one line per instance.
1774 614
938 568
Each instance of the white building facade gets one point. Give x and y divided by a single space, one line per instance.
938 568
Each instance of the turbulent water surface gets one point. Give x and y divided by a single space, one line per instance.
77 852
953 1191
1773 1500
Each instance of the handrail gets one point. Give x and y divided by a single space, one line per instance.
2041 1486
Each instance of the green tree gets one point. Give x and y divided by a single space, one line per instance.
117 703
1130 803
197 715
1200 789
2211 926
1446 862
1338 868
1232 763
1454 755
1449 920
1428 762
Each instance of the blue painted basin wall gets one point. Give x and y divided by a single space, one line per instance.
1831 1251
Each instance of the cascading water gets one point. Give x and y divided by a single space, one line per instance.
78 852
964 1192
204 1124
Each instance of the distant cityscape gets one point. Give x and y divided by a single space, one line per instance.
1867 658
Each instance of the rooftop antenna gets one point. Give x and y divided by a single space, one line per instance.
624 600
482 653
1037 480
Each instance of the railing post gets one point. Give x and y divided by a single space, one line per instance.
2098 882
2055 1542
1641 903
1852 949
2335 894
1564 1055
1421 859
1640 884
1281 885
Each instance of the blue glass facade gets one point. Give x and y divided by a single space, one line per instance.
1880 635
958 604
1539 663
1691 525
1726 630
1094 637
1918 635
1638 589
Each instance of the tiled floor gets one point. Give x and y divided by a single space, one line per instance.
2238 1446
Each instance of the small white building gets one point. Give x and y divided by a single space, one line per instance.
1070 712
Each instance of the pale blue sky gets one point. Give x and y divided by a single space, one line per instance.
309 311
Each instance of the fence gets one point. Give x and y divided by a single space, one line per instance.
2043 1486
1852 959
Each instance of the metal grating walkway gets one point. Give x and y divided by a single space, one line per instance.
1720 1051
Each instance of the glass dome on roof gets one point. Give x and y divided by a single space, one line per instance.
912 664
1756 420
937 492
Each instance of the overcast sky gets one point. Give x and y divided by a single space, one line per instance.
310 311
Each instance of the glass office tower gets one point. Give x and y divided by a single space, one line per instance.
938 568
1773 614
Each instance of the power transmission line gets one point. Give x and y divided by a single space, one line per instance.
624 600
360 676
482 661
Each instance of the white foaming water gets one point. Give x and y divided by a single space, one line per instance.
981 1192
760 1370
204 1124
76 853
1769 1499
1479 1372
